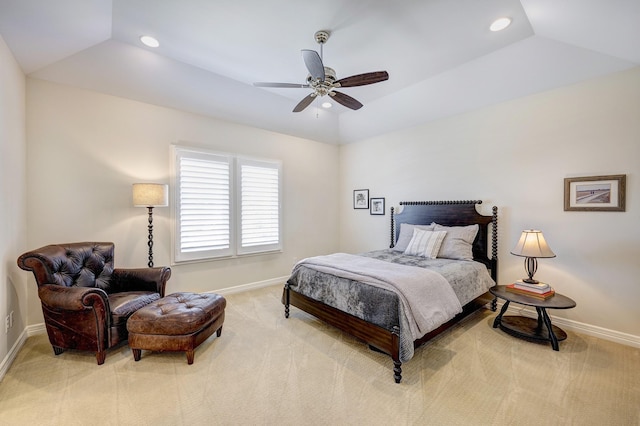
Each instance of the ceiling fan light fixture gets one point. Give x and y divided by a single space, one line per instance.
500 24
322 80
149 41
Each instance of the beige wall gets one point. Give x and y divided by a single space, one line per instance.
516 155
86 149
13 287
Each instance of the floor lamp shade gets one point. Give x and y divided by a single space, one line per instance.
150 195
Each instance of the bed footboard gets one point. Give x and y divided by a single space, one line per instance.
386 341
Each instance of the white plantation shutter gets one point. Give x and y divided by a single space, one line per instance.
204 200
259 206
216 194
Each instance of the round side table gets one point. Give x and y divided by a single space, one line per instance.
531 328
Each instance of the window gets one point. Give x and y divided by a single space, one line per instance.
225 205
259 188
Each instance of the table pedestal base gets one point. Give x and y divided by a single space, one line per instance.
528 328
539 329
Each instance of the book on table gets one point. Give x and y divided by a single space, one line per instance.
543 296
539 287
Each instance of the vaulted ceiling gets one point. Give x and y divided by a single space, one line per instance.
441 57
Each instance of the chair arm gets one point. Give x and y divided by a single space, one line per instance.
73 298
140 279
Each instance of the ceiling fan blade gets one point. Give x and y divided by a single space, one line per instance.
282 85
304 102
313 63
345 100
362 79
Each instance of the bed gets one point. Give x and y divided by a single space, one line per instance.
368 306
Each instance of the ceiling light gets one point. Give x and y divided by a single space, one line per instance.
500 24
326 105
149 41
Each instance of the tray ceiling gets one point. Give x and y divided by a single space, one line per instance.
441 57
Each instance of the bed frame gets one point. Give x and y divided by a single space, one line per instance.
447 213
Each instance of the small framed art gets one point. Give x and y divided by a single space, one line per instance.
376 206
361 199
595 193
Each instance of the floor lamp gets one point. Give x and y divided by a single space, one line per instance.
150 195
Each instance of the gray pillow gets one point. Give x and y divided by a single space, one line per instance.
458 243
406 233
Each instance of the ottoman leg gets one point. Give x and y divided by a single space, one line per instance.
136 354
219 332
190 355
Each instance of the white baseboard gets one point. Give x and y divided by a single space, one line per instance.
11 355
575 326
13 352
35 329
252 286
578 327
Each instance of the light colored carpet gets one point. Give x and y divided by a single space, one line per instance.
265 369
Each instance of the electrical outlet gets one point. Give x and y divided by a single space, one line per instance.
8 322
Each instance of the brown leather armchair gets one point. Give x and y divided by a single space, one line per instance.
85 300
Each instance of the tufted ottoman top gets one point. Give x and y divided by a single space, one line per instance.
177 314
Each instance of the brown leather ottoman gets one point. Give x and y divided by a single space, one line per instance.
177 322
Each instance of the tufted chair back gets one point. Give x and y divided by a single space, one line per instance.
86 301
76 265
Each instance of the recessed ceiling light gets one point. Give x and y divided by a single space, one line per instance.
326 105
149 41
500 24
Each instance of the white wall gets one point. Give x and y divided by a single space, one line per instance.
86 149
13 287
516 155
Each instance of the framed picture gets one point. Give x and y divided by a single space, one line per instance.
376 206
361 199
595 193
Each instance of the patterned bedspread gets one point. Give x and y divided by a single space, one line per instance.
381 306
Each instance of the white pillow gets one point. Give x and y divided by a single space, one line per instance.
425 243
406 233
458 244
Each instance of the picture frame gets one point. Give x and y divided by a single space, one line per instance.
376 206
361 199
595 193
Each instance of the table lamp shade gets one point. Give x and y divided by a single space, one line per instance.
150 195
532 244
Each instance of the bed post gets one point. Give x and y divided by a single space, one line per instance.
494 254
494 244
393 234
395 354
286 299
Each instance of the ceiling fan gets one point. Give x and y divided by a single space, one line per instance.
322 79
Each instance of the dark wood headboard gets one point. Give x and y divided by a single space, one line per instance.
453 213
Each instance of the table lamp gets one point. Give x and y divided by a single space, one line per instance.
150 195
531 246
